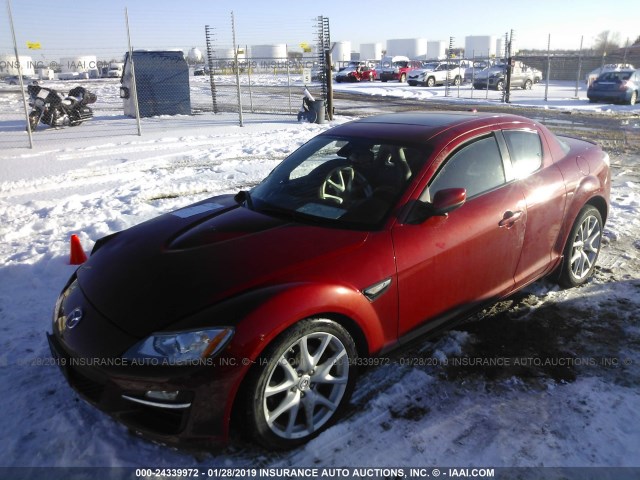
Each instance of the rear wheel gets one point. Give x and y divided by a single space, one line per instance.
500 85
305 379
527 85
582 248
634 98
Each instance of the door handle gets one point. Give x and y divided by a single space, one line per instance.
510 218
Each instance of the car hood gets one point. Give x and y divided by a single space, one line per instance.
160 272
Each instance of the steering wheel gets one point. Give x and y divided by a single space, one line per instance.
343 185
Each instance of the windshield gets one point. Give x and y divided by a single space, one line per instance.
430 66
350 182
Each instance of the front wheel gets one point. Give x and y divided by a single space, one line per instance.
431 82
582 248
456 81
634 98
403 78
34 118
500 86
307 381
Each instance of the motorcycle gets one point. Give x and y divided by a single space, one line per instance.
307 111
52 108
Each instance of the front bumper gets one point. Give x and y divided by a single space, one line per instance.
198 417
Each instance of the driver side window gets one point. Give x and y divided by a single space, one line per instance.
476 167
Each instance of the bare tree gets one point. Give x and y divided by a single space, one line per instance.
606 41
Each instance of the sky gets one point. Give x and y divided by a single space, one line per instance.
85 27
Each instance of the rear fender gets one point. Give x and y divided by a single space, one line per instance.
587 190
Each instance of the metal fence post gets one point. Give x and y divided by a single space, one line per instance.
288 77
24 98
237 67
579 66
249 62
134 87
546 87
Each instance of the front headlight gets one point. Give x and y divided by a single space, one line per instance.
180 348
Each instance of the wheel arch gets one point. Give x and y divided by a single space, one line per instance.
284 306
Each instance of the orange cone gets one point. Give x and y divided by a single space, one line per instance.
77 256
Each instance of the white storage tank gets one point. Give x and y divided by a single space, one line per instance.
341 54
195 55
409 47
9 65
370 51
228 54
79 64
480 46
436 49
278 50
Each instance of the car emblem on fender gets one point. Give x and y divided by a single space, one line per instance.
74 318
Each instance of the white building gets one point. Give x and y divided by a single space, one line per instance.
409 47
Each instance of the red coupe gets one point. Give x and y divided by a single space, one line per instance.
253 311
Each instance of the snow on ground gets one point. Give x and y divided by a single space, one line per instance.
429 404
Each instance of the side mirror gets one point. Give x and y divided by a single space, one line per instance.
444 201
124 92
447 200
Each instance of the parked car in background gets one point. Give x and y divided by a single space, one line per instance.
610 67
620 86
26 80
200 70
537 74
476 67
356 74
436 73
253 311
395 68
496 77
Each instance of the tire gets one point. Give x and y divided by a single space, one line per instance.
500 85
34 117
289 399
634 98
431 82
582 248
527 85
403 78
456 81
371 79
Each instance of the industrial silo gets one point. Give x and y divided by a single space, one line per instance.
341 54
409 47
9 65
370 51
79 64
277 50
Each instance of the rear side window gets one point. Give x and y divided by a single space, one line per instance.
525 150
477 167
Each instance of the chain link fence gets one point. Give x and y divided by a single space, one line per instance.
227 71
